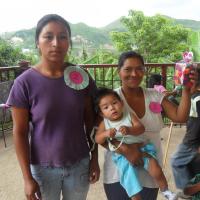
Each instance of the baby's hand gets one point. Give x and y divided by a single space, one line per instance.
124 130
112 132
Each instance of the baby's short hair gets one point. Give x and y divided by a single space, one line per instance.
101 93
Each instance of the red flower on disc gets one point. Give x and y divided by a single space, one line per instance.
75 77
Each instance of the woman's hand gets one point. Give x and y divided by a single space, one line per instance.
94 171
194 76
32 190
132 153
180 113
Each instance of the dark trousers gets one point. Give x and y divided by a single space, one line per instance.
115 191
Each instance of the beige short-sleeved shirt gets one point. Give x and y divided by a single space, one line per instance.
153 124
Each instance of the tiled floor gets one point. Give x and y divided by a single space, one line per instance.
11 183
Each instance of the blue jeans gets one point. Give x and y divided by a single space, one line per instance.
72 182
179 161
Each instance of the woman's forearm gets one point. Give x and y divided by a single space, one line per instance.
131 152
21 139
190 190
138 130
184 106
23 154
126 147
94 153
178 113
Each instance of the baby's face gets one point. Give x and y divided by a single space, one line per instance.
111 107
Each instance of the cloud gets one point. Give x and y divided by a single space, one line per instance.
20 14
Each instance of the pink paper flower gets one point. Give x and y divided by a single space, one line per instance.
155 107
187 56
76 77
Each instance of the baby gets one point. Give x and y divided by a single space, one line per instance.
126 128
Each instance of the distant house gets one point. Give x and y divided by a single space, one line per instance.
25 50
17 40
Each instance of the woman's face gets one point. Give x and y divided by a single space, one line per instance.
131 73
53 42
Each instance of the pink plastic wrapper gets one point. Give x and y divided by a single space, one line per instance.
183 69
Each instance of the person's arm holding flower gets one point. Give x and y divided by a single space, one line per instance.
180 113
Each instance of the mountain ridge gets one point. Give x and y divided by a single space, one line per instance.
88 36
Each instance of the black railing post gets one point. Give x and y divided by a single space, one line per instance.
164 74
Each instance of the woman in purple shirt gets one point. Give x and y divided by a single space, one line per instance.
53 117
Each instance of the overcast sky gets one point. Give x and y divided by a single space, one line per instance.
24 14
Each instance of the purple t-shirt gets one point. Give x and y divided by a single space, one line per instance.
57 116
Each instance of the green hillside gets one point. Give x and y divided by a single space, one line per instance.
194 25
114 26
28 37
84 35
94 36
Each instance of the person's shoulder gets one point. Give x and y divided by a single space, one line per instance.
87 72
118 90
195 100
25 75
196 96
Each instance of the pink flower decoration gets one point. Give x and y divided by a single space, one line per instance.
178 67
176 78
180 74
76 77
155 107
187 56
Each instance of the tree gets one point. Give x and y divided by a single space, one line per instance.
157 38
9 55
194 41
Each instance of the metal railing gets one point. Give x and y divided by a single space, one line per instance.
105 74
